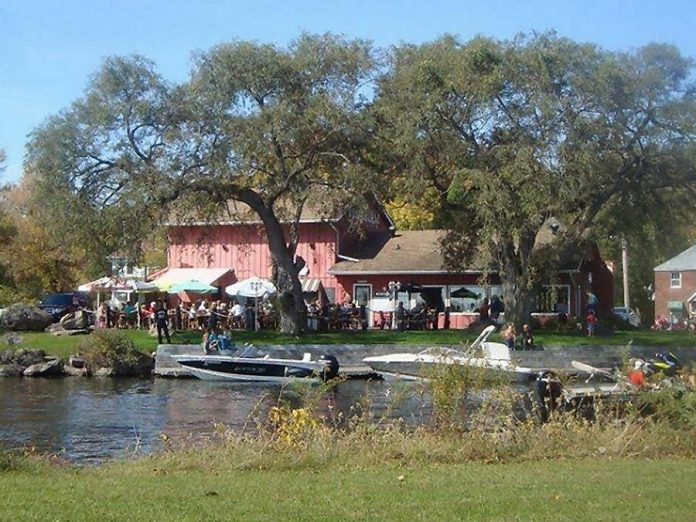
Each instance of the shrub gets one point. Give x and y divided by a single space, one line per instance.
110 348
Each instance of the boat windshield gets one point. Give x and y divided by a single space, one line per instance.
440 351
248 351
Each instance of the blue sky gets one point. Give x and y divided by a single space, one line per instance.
49 48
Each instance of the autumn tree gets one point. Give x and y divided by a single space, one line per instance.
515 135
258 124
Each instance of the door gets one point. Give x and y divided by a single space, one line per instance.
362 294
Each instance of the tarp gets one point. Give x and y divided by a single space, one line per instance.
173 276
252 287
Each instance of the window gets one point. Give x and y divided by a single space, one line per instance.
675 281
553 298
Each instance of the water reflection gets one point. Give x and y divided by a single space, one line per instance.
93 419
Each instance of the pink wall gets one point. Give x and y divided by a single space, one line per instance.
244 249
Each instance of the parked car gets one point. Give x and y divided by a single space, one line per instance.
60 304
628 315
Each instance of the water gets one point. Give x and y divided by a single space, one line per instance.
90 420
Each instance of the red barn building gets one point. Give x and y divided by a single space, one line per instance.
364 264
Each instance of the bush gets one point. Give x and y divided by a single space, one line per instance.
110 349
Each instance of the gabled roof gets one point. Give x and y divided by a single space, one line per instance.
420 252
682 262
408 252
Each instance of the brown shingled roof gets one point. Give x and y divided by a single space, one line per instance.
412 251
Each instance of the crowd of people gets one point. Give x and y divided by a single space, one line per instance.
199 315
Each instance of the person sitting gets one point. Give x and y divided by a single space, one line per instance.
527 338
509 336
211 343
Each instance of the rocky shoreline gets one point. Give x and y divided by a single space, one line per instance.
35 363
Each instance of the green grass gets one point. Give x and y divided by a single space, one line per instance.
590 489
67 345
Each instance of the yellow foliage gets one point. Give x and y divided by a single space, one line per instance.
409 215
292 426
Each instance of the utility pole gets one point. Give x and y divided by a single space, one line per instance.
624 263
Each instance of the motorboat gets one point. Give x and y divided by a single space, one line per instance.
486 360
249 365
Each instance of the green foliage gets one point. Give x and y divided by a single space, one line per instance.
109 348
262 125
514 133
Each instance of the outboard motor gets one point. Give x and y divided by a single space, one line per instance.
549 389
329 368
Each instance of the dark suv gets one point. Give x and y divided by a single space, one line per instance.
60 304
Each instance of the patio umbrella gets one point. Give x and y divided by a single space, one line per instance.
193 286
252 287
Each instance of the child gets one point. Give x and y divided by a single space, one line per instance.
591 321
510 336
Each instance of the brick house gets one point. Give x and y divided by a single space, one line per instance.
358 264
675 286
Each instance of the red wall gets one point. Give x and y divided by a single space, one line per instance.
244 249
664 293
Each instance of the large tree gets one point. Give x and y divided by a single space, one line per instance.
517 135
257 124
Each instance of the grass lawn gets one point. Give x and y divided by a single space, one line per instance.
591 489
67 345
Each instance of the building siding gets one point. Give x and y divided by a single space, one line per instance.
244 249
664 293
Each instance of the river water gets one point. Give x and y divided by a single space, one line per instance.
89 420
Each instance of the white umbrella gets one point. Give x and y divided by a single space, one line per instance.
252 287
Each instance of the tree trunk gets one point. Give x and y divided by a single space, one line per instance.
515 280
290 298
517 300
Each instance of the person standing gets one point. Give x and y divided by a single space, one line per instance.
484 310
592 302
497 308
591 321
162 320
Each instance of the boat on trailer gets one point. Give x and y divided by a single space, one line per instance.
486 360
248 365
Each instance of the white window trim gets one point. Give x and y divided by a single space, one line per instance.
671 280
